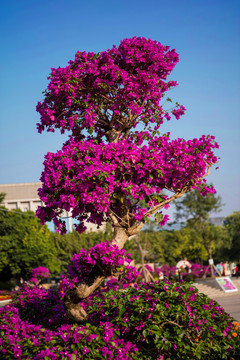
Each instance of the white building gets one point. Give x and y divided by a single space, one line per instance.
24 196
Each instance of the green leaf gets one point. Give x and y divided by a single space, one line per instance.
158 217
145 333
121 310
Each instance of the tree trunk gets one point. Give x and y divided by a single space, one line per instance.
142 254
211 268
120 236
72 298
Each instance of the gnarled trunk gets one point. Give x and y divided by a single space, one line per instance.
72 298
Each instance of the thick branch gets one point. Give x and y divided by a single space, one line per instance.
113 217
113 135
120 236
72 298
136 228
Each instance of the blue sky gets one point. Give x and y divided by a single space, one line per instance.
38 35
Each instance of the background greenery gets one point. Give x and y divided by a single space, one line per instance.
26 244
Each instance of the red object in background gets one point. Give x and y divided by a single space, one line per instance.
60 287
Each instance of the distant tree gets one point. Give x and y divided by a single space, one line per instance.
189 245
2 197
196 210
232 224
145 240
195 207
223 245
160 247
71 243
24 244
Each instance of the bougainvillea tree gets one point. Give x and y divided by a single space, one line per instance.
112 104
38 274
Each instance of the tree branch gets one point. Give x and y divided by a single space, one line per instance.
112 216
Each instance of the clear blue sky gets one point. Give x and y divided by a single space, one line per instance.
37 35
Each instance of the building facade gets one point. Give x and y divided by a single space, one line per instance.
24 196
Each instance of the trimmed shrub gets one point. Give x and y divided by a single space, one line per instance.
158 320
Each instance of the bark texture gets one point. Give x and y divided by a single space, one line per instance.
73 297
73 308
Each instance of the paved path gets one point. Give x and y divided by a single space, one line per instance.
231 305
4 302
229 301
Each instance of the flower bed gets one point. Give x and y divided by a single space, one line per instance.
160 320
5 297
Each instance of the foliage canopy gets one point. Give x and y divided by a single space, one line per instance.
115 156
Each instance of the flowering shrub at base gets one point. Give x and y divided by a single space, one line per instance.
22 338
169 321
158 320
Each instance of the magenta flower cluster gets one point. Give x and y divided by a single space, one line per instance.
107 256
39 273
197 271
89 178
128 79
42 306
26 337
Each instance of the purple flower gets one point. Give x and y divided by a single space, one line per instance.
192 297
85 350
140 326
